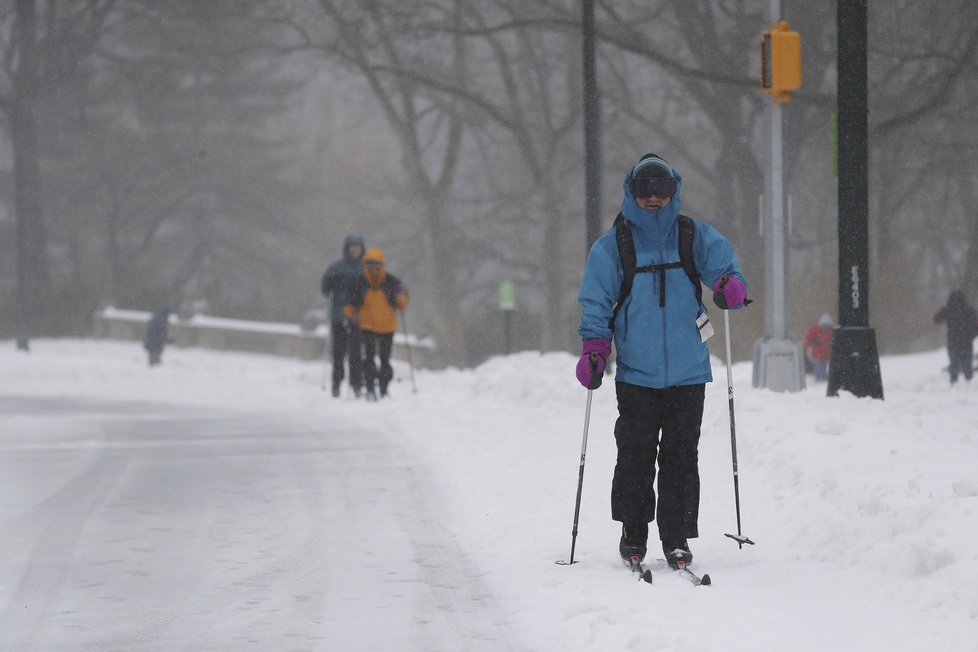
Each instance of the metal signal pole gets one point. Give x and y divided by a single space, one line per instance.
779 362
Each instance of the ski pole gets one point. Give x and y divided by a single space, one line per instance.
580 477
407 344
739 537
327 341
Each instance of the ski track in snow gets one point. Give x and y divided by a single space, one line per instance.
208 531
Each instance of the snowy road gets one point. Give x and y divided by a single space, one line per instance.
137 526
245 509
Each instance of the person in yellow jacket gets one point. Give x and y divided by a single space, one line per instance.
373 302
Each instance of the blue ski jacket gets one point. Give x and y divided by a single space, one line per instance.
657 346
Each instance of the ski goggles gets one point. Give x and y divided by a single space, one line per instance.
658 186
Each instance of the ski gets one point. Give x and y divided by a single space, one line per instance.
681 570
691 576
635 565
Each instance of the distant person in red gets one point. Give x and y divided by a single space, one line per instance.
818 346
962 329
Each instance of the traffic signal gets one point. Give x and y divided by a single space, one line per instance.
780 61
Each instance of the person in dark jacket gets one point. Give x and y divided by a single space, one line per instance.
344 333
376 298
663 361
156 335
962 328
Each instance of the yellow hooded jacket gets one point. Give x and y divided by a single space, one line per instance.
376 295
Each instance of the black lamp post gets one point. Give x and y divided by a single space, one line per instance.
854 365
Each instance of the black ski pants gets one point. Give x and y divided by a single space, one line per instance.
658 425
377 345
346 345
961 362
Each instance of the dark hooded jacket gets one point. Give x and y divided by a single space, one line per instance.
156 330
961 319
339 278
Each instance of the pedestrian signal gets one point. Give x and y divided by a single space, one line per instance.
780 61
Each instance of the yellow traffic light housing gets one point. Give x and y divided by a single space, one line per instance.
780 61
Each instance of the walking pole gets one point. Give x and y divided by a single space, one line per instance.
326 347
739 538
580 477
407 343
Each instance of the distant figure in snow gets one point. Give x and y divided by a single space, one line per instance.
374 301
156 335
962 329
344 333
818 346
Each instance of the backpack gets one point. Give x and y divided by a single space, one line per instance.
626 254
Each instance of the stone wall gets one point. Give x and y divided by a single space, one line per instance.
289 340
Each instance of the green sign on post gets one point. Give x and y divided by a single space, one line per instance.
507 295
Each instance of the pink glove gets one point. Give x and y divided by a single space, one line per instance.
729 293
594 356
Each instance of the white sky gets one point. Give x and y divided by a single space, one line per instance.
223 501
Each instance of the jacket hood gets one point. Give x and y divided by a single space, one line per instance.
374 274
375 255
663 217
350 241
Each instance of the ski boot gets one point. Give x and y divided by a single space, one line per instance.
677 553
634 538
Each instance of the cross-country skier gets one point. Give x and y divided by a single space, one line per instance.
663 362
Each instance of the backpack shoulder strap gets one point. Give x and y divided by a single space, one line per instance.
687 231
391 284
626 254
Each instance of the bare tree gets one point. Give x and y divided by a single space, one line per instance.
540 110
44 41
173 160
377 39
169 175
19 103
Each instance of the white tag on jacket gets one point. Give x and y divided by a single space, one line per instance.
705 327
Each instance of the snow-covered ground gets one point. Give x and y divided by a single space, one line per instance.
223 501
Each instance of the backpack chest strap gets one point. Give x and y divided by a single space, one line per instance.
626 254
661 268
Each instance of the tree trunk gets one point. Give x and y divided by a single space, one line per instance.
552 320
448 325
970 281
33 276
